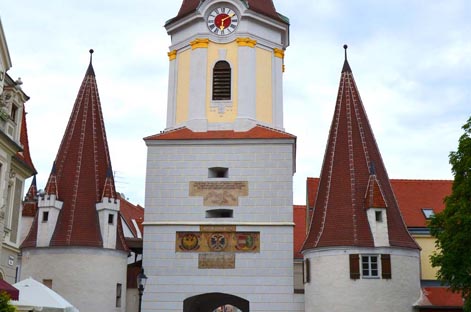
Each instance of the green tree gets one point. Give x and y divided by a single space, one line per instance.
5 306
452 227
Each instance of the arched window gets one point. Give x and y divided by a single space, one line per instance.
221 81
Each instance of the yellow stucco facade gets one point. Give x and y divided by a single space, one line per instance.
228 52
264 86
427 243
231 56
183 86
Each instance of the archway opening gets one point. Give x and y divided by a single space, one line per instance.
212 301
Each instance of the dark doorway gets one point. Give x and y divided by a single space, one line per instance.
211 301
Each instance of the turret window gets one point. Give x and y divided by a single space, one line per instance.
110 219
222 81
45 216
379 216
369 266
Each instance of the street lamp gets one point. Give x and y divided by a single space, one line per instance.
141 284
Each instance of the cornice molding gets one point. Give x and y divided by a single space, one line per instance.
199 43
246 42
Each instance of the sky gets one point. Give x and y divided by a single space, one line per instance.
411 60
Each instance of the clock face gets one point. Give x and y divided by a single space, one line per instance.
222 21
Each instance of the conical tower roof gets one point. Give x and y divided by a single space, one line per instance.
348 184
81 173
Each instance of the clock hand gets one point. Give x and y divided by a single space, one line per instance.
229 16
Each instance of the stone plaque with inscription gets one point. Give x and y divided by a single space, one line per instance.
219 193
216 261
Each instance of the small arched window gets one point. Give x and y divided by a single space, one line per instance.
221 81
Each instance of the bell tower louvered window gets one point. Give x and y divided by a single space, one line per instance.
222 81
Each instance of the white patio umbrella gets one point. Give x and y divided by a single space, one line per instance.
34 296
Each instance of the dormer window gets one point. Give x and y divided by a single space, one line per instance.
222 81
13 112
428 213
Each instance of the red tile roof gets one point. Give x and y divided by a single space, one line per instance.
443 297
258 132
264 7
351 157
131 212
30 203
414 195
80 173
311 191
299 218
374 197
25 155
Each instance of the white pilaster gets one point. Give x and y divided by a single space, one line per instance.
247 92
172 89
278 89
197 120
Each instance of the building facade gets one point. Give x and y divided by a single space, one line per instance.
15 164
218 218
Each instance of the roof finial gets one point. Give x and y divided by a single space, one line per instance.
346 67
91 55
90 70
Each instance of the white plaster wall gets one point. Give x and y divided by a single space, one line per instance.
86 277
265 279
379 229
25 225
331 288
267 166
46 229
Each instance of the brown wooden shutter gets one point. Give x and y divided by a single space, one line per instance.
386 266
354 266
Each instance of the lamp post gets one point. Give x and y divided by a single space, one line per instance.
141 284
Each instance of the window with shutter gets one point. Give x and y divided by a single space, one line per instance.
222 81
386 266
354 266
369 266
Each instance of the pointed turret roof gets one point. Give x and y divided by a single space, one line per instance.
348 185
264 7
81 172
30 203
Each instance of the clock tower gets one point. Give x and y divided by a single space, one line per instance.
226 65
218 228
